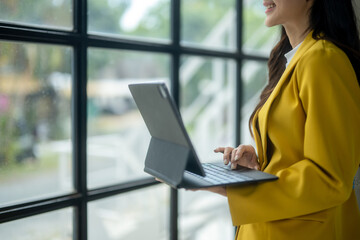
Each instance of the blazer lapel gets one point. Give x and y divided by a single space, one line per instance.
263 114
257 139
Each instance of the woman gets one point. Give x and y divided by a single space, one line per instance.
306 129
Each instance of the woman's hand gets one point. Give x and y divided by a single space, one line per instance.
243 155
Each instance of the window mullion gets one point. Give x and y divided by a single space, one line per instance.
80 118
175 89
239 87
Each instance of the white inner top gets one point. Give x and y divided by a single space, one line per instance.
291 54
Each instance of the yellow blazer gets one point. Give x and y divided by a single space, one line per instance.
310 129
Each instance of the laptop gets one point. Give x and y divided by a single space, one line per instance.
171 156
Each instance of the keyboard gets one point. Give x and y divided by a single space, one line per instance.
221 174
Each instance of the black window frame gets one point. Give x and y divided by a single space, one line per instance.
80 41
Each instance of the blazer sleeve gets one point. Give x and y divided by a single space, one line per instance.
323 177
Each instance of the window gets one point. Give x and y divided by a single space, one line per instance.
55 14
72 141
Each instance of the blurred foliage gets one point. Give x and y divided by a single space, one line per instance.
8 141
30 108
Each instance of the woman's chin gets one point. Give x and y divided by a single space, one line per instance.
270 23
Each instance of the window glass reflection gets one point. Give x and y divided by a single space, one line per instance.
117 136
204 215
207 103
41 13
257 38
208 24
208 109
148 20
35 121
141 214
53 225
254 77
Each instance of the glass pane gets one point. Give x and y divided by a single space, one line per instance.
117 136
207 103
209 24
53 225
35 121
204 215
44 13
254 79
208 110
257 38
148 19
141 214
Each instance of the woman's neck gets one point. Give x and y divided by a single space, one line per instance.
296 33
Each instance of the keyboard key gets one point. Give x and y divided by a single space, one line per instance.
221 175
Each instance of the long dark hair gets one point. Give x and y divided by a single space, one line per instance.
332 20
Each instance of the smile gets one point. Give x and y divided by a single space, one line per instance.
270 6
